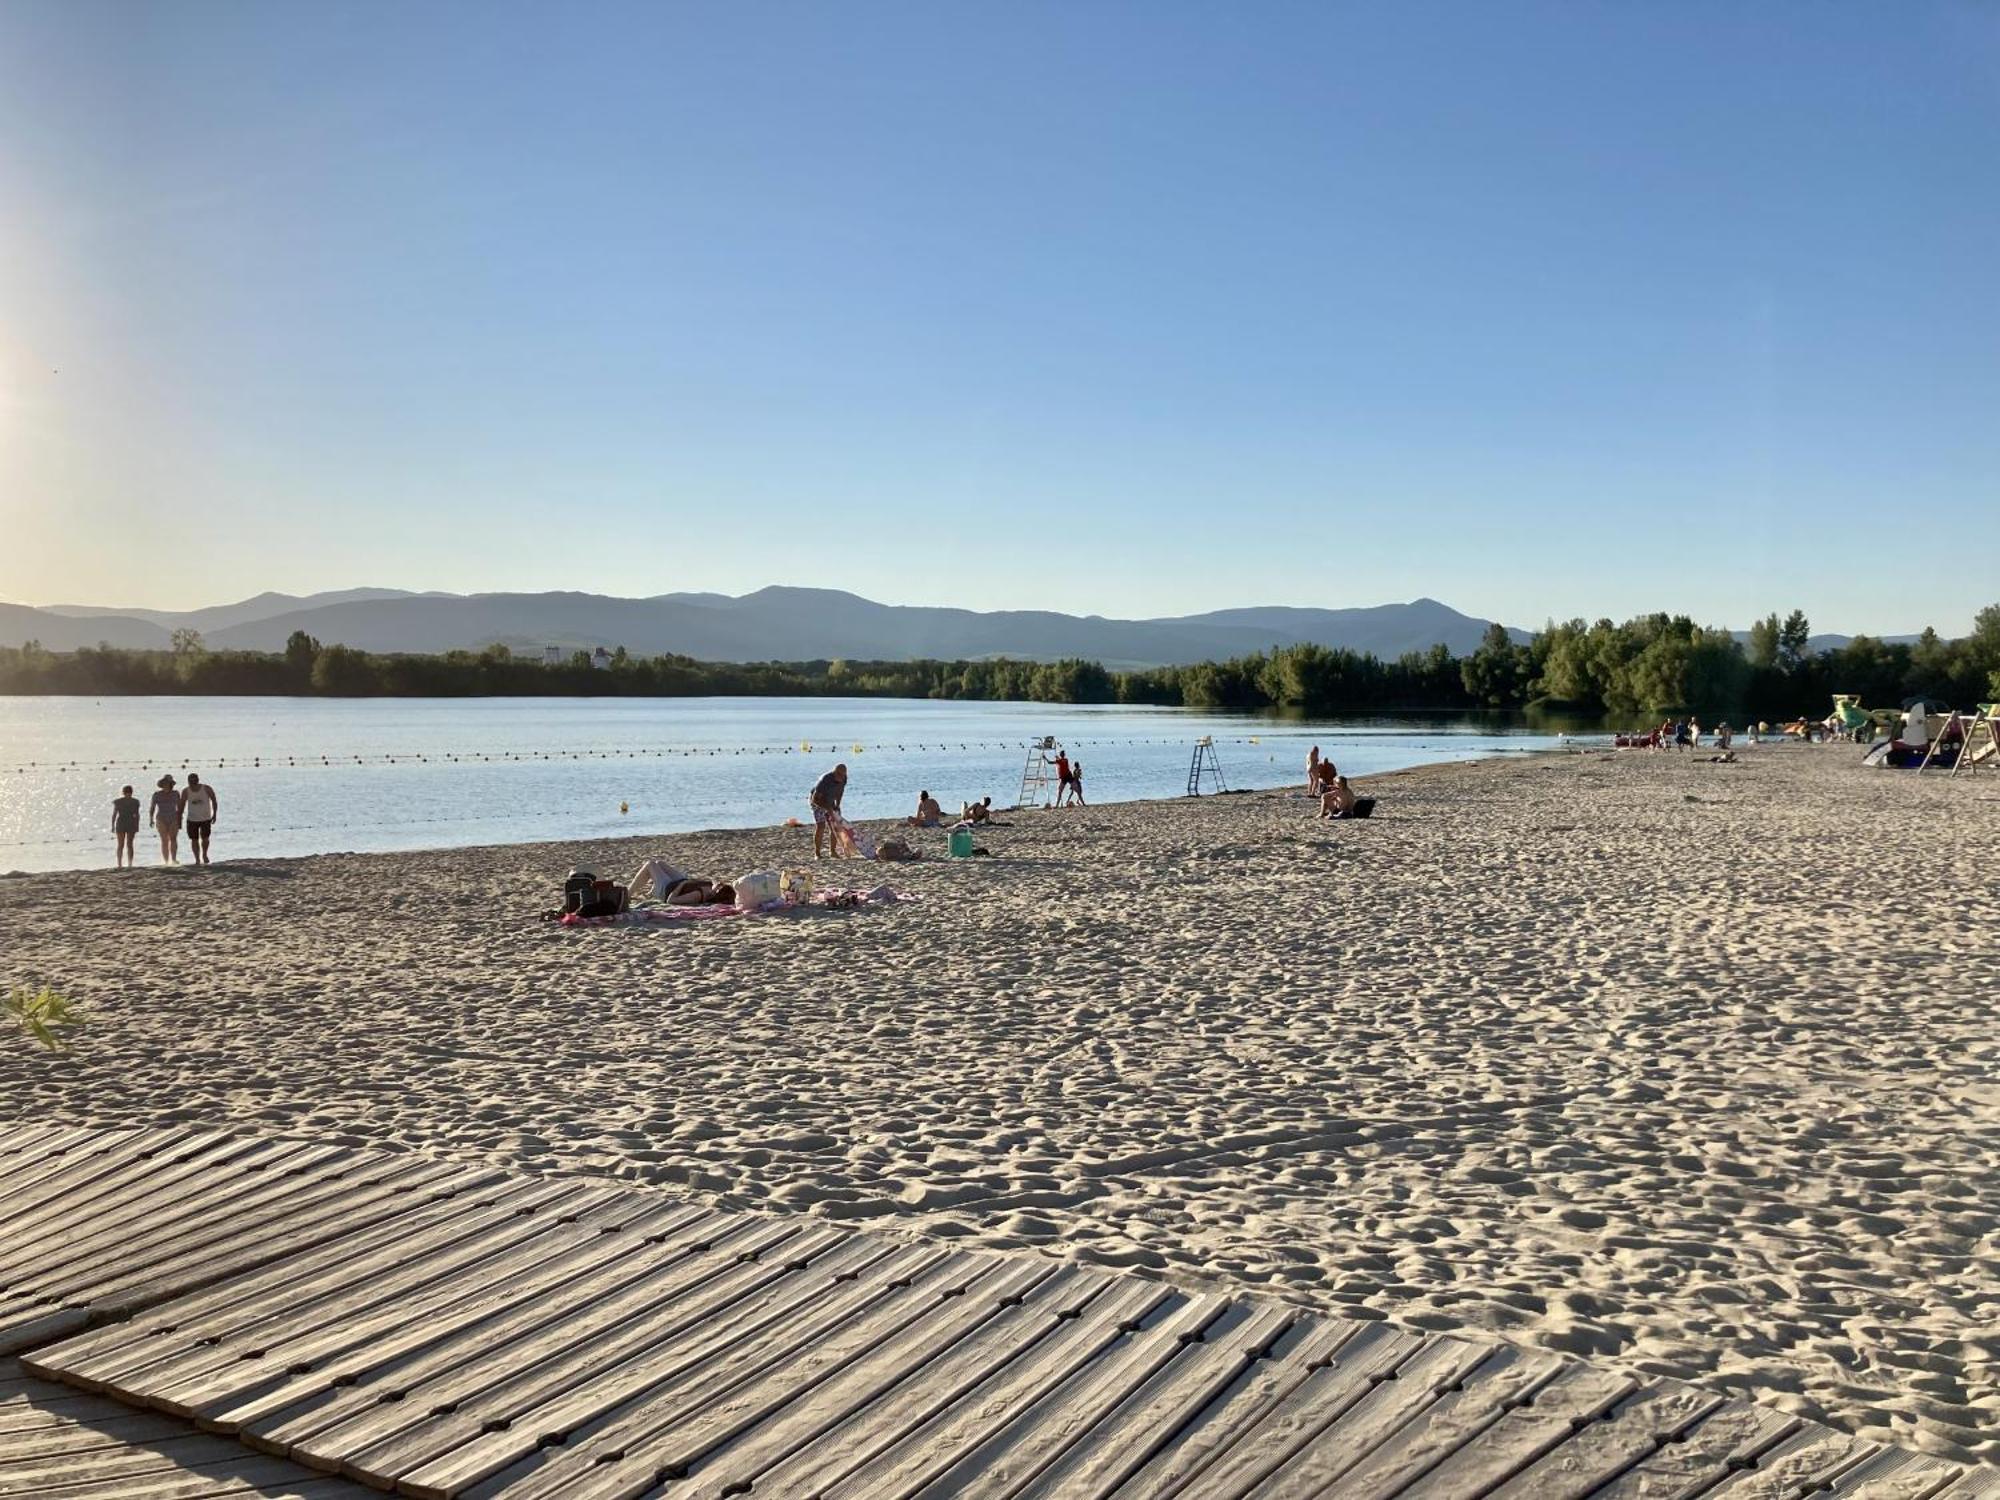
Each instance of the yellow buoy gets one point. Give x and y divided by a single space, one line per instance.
624 807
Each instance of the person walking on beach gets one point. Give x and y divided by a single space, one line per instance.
125 824
165 813
826 795
1076 782
198 806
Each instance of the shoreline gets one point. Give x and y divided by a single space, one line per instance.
150 861
1602 1052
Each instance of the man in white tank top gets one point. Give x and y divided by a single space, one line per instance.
199 806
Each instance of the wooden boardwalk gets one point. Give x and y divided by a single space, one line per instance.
441 1330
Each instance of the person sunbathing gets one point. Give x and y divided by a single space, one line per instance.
929 814
977 812
694 891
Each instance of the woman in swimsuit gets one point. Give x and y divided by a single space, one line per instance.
165 811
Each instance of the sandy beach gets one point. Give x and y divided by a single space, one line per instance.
1683 1066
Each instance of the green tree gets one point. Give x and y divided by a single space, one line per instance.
301 650
341 671
1497 673
1794 640
1764 638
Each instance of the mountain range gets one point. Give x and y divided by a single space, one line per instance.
772 624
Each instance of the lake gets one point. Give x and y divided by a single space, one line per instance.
314 775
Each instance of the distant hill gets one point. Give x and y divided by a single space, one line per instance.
772 624
224 616
19 624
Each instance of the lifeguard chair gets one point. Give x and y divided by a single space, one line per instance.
1203 767
1038 776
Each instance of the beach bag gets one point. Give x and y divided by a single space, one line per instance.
606 899
758 888
579 890
795 887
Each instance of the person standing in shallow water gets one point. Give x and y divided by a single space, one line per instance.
125 825
199 806
165 812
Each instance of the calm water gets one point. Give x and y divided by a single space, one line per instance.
308 776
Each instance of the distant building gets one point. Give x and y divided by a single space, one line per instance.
601 659
551 656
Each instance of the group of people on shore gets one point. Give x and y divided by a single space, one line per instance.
170 810
1685 734
1337 797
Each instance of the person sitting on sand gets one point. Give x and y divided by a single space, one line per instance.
125 826
977 812
826 795
165 812
929 814
1341 802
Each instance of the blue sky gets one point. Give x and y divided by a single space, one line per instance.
1128 309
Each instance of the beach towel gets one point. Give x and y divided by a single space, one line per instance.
643 916
849 842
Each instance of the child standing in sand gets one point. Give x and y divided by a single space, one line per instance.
125 825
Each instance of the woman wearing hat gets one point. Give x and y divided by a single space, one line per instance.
165 811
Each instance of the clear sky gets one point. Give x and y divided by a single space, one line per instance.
1540 309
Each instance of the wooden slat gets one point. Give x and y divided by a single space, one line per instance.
1657 1414
842 1400
664 1431
1352 1440
1237 1411
1973 1484
459 1295
413 1196
1805 1460
206 1381
356 1416
1893 1474
222 1210
86 1447
921 1457
1094 1433
75 1220
228 1246
1476 1458
65 1160
1466 1414
914 1394
580 1385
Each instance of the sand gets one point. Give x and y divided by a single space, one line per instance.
1687 1067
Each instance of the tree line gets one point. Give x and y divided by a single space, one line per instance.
1651 665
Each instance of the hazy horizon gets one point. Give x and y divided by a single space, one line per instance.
1137 311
